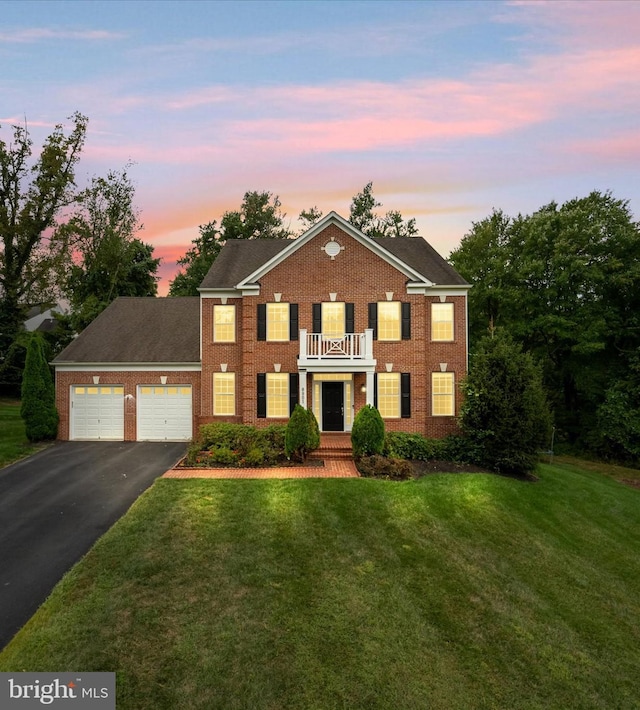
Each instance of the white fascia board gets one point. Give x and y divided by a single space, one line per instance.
435 290
219 293
332 218
128 367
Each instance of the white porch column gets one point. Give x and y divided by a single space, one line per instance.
303 343
370 386
302 388
368 345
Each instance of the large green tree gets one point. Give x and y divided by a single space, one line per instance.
563 281
33 196
109 260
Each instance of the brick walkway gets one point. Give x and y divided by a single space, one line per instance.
331 469
335 451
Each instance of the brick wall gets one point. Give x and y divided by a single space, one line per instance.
130 382
357 276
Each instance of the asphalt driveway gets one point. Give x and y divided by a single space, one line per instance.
56 504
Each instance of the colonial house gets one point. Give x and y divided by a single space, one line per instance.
332 320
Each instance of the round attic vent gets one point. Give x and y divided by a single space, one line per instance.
332 249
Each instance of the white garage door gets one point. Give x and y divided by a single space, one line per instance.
164 413
97 412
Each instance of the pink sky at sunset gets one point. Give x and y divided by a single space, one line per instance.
451 109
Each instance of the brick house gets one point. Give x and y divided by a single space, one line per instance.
332 320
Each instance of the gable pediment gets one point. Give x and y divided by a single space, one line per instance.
332 248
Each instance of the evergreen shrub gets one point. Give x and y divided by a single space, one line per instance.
298 434
505 415
367 433
237 445
38 400
392 469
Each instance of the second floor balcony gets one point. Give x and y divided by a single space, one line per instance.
350 351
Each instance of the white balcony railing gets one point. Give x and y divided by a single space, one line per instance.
351 346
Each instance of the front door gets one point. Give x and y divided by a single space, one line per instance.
332 406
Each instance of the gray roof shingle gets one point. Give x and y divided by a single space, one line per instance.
240 257
140 330
423 258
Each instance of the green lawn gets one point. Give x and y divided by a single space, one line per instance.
13 441
454 591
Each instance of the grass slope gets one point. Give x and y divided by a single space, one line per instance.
13 440
466 591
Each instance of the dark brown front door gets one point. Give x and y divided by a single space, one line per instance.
332 406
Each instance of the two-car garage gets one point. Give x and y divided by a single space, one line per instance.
133 374
162 413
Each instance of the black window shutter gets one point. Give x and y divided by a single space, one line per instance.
375 390
317 318
349 310
293 321
405 395
406 321
262 321
373 319
293 391
262 395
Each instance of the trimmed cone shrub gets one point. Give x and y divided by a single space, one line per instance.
38 405
367 434
297 435
314 432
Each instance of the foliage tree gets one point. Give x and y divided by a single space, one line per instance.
308 218
363 216
110 260
259 217
561 281
32 198
38 409
197 261
505 416
367 432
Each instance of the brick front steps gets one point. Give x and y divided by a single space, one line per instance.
333 447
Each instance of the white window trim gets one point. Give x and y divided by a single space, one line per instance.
388 376
279 376
233 307
399 307
232 396
452 396
279 340
452 321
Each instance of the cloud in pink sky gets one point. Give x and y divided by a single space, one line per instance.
450 108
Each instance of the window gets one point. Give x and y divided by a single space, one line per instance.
442 396
389 395
333 320
277 394
442 321
277 321
389 320
224 324
224 393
